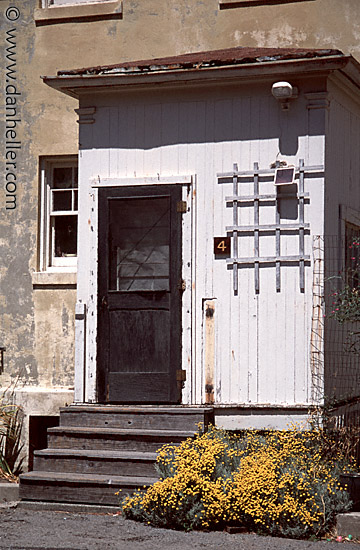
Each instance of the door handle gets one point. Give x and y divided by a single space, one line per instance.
104 302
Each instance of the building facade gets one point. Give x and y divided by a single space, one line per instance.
40 186
192 247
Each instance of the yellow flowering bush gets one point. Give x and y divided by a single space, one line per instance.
279 483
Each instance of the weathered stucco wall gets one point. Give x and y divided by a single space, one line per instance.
36 325
55 354
18 226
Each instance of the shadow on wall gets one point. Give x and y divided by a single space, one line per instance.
155 120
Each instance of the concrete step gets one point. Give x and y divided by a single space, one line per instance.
79 488
69 507
9 492
348 524
89 461
116 439
136 417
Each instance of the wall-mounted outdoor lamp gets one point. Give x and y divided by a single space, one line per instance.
284 92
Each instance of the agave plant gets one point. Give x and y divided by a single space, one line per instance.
11 421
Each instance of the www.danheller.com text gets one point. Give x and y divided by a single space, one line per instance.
12 112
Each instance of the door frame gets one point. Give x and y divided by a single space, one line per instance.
112 302
86 314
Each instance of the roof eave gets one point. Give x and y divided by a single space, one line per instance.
352 71
75 86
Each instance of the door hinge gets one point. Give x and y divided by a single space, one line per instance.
182 285
181 207
181 375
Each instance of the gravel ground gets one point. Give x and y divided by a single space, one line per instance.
34 530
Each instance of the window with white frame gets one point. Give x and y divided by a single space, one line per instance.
59 199
52 11
223 4
51 3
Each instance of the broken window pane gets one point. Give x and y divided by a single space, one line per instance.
62 177
65 235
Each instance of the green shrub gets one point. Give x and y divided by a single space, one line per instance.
279 483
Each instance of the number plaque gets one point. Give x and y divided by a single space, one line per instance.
222 246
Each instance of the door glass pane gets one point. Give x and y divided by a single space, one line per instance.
139 244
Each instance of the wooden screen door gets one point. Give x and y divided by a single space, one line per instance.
139 299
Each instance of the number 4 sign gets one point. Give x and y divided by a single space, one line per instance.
222 246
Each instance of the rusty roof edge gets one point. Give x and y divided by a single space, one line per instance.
84 83
342 59
234 56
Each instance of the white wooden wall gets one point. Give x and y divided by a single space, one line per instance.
342 205
261 348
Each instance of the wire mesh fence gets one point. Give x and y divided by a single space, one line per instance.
341 324
336 331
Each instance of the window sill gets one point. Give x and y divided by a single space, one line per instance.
80 12
54 279
224 4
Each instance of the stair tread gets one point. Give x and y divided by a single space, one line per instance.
137 409
123 439
121 431
107 479
137 456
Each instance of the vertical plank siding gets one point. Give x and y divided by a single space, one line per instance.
262 353
342 378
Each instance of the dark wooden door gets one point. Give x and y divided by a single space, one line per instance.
139 299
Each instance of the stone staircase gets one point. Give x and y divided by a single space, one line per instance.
98 450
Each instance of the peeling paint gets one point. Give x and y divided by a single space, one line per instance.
209 350
111 31
65 321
